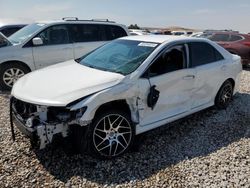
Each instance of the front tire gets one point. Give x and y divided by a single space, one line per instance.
111 134
10 73
224 95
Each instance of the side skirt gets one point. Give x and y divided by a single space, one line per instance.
143 128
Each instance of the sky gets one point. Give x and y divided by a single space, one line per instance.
197 14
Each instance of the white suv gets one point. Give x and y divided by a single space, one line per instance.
45 43
124 88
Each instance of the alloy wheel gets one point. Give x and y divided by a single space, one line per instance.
11 75
226 94
112 135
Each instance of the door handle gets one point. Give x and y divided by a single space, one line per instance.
189 77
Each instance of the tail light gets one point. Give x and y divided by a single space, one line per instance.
246 44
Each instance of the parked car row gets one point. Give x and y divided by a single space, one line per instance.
180 33
234 42
138 32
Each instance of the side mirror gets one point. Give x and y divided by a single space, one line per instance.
37 41
153 97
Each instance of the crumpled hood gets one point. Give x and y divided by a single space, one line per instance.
60 84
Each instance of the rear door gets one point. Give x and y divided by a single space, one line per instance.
209 65
56 46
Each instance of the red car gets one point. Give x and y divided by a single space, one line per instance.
235 43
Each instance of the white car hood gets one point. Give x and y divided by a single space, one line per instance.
60 84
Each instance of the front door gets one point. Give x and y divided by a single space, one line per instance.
171 77
56 47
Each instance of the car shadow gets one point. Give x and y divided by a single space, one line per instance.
197 135
246 68
5 94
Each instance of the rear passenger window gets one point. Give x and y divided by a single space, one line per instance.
87 33
235 38
202 53
113 32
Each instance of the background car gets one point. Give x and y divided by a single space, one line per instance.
46 43
179 33
235 43
3 41
138 32
9 29
197 34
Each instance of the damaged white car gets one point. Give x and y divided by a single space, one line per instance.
122 89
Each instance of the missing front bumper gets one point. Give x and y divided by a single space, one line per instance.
43 134
25 130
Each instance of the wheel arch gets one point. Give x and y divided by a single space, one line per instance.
231 80
16 61
120 104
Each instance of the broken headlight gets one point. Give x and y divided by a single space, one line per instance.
62 114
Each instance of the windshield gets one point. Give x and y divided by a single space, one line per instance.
25 33
120 56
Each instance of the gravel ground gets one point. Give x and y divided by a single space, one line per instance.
208 149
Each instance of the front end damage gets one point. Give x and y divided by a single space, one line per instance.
42 123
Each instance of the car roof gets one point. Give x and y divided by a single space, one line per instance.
161 38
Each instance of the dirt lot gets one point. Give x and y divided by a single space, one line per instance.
208 149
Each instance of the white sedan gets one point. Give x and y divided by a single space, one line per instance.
122 89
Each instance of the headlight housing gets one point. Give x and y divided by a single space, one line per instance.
62 114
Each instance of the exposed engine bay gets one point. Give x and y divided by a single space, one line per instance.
42 121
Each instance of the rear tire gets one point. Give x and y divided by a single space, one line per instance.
224 95
10 73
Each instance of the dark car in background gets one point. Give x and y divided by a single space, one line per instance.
8 30
235 43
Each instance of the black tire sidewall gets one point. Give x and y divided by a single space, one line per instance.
7 66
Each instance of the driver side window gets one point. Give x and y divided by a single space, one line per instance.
55 35
170 60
